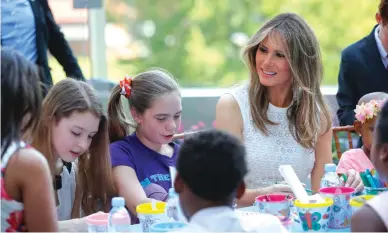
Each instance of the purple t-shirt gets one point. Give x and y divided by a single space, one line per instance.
152 168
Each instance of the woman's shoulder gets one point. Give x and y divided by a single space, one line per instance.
236 96
239 89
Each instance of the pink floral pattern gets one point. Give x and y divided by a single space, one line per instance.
15 218
15 222
366 111
12 212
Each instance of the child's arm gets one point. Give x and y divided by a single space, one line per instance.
367 220
345 163
129 187
37 191
347 166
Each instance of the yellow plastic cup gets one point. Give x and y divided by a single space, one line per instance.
148 216
314 216
357 202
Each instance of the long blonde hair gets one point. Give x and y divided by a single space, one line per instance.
308 111
94 166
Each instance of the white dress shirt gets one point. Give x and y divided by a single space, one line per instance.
383 53
225 219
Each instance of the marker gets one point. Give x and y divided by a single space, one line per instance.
370 178
364 179
377 179
344 177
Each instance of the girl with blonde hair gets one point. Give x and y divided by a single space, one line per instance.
73 135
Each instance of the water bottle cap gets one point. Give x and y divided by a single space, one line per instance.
171 192
118 202
330 167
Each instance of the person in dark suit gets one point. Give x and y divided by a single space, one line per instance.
364 68
28 26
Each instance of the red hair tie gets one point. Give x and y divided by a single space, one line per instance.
126 86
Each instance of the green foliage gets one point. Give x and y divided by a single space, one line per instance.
199 51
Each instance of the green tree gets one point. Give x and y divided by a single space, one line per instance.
193 38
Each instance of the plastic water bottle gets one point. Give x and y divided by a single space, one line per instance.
173 209
119 219
330 178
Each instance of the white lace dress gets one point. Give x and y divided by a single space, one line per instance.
266 153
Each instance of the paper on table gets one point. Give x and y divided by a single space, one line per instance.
172 175
293 181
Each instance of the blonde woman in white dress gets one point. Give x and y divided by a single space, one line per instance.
281 114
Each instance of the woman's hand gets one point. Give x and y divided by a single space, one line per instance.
354 180
278 188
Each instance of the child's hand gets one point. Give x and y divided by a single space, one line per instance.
354 180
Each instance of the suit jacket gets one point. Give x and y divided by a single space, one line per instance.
361 72
50 38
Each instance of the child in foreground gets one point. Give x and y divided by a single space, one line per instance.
27 200
367 110
373 217
211 168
